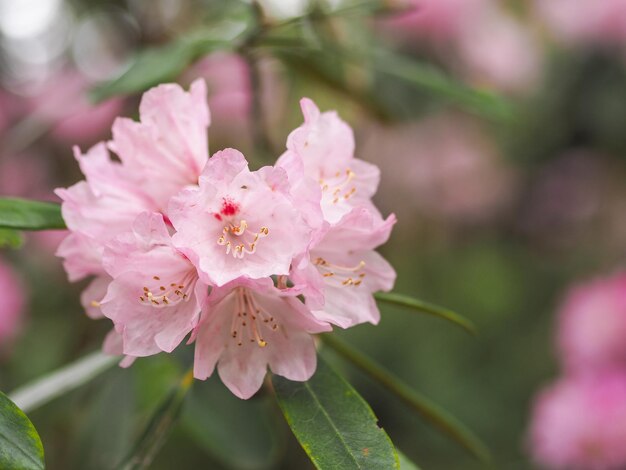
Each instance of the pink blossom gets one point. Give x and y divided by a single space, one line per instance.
238 222
435 19
108 201
228 82
155 298
325 145
344 270
12 303
476 37
585 21
592 325
160 155
439 168
487 46
579 423
250 325
168 148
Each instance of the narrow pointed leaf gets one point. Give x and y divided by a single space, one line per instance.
430 411
39 392
24 214
20 445
334 425
435 81
158 428
425 307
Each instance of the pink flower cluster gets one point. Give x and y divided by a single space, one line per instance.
579 422
247 264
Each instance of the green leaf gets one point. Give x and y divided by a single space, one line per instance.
430 411
10 238
425 307
435 81
20 445
44 389
24 214
334 425
213 415
164 64
158 428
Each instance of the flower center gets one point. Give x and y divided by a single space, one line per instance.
343 275
338 186
158 293
240 241
250 320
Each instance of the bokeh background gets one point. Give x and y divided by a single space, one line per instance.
500 210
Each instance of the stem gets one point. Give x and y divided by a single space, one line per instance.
401 300
430 411
39 392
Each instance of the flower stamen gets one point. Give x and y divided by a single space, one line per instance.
239 250
336 189
345 275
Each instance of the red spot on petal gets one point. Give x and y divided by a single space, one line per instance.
217 216
229 207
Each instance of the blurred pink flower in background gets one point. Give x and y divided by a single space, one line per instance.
478 37
63 104
499 51
433 19
584 21
228 85
439 166
228 90
592 325
579 423
12 303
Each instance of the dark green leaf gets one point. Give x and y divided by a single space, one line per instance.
213 415
430 411
335 426
24 214
10 238
20 445
158 428
424 307
164 64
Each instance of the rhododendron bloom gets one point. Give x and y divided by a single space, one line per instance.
160 155
325 145
155 298
238 222
249 325
579 423
168 148
592 325
248 264
344 270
